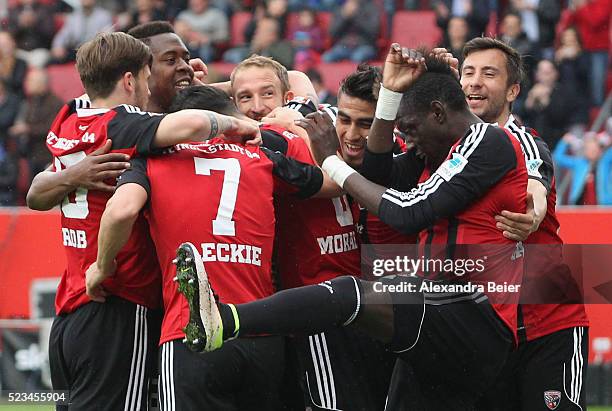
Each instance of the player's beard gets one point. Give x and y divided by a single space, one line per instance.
493 110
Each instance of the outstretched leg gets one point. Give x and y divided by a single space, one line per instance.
305 310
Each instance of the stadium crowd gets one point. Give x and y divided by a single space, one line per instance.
565 44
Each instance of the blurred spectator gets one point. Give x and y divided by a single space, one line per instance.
550 107
511 32
354 31
476 12
456 36
9 107
34 120
325 95
527 10
277 9
144 12
549 13
12 68
80 26
203 28
266 42
307 40
9 174
592 19
573 64
31 24
579 153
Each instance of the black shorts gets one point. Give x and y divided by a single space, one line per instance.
342 369
245 374
545 374
104 354
451 346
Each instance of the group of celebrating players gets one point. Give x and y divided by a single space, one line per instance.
229 175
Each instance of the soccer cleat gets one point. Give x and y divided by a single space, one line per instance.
204 331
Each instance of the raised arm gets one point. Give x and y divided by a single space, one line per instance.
200 125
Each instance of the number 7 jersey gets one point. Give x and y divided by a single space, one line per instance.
76 132
218 196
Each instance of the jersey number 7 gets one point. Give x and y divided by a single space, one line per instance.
223 223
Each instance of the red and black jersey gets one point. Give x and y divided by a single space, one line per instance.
543 319
454 210
373 231
316 238
218 196
77 131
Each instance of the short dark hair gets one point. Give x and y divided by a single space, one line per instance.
103 60
437 83
145 31
514 61
204 98
363 84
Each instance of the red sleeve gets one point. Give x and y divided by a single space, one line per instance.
298 149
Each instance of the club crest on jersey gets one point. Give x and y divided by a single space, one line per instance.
552 399
452 166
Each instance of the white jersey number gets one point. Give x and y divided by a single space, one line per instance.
223 223
343 211
79 209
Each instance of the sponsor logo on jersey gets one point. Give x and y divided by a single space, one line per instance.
552 399
61 143
533 167
452 166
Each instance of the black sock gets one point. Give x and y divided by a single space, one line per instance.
227 318
304 310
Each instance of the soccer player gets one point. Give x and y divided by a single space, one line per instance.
549 367
455 341
171 70
224 205
100 353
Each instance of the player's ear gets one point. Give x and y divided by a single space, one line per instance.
513 92
129 82
289 96
438 111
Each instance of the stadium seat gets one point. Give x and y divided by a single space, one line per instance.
416 28
238 23
334 73
65 81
